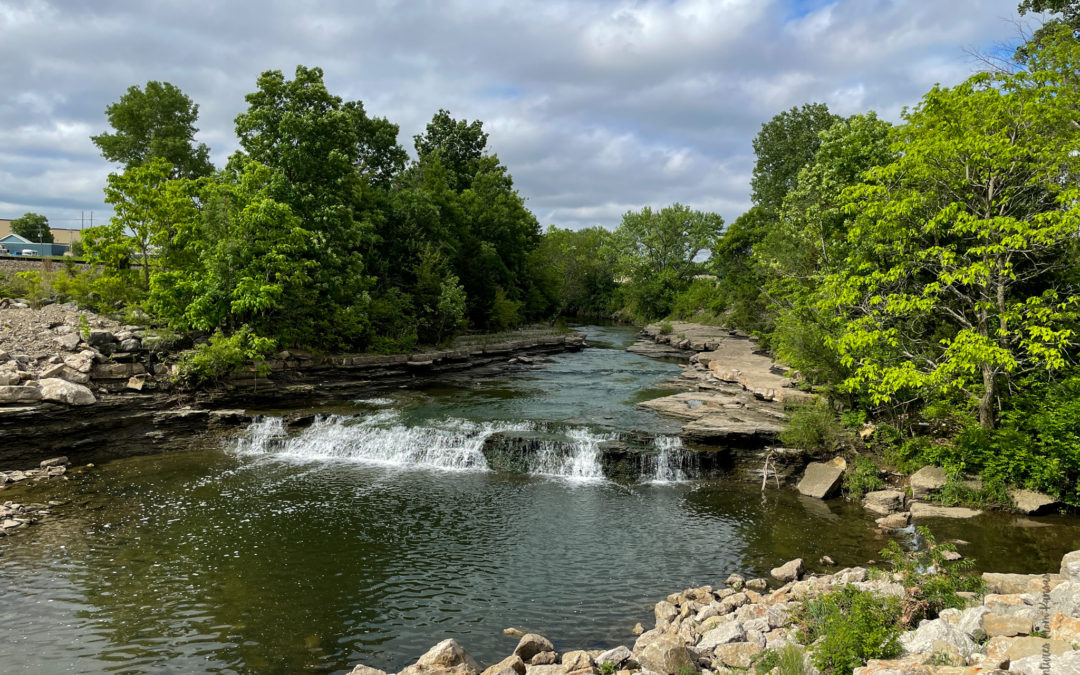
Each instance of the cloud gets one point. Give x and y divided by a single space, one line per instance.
596 106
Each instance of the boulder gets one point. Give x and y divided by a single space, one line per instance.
1041 664
511 665
921 510
664 612
1015 648
1009 625
544 659
1033 503
366 670
100 338
884 502
1009 584
19 394
116 371
757 584
448 654
616 656
532 644
666 655
789 571
55 461
938 636
82 362
130 345
1065 598
1065 628
732 631
735 581
895 521
577 660
738 654
820 480
70 343
61 391
1069 570
927 481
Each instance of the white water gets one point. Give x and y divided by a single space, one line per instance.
449 445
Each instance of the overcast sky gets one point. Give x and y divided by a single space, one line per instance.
597 107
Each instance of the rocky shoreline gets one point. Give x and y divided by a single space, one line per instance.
1023 623
75 383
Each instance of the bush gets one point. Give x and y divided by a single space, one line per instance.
785 661
223 355
933 583
813 427
666 328
861 477
853 627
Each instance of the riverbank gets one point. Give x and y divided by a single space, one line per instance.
1026 624
75 383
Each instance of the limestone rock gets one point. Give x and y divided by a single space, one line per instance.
931 636
19 394
758 585
895 521
366 670
544 659
666 655
1033 503
735 581
70 342
577 660
789 571
664 612
1058 664
1065 598
1067 570
101 338
448 654
1009 625
738 654
55 461
820 480
884 502
532 644
61 391
638 629
732 631
1016 648
82 362
927 481
1008 584
920 510
617 656
547 669
511 665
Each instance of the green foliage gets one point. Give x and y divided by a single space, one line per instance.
666 328
783 146
222 355
849 627
607 668
784 661
931 581
157 122
861 477
813 427
33 226
576 269
29 285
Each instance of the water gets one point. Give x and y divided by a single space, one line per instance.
377 532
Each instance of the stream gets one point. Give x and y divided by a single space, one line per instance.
379 529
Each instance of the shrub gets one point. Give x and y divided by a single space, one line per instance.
223 355
785 661
666 328
813 427
933 583
849 627
861 477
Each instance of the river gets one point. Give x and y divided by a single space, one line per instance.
378 531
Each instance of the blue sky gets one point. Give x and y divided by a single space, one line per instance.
596 107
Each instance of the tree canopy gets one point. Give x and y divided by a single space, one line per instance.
33 226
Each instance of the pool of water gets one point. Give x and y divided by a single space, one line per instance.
353 542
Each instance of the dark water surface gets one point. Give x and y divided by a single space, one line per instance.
314 554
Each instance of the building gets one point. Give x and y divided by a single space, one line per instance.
61 237
15 245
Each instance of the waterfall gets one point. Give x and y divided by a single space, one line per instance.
578 460
671 464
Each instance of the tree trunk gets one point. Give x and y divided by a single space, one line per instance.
987 414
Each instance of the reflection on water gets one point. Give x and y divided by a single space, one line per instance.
225 561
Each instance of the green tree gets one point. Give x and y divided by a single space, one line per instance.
954 286
784 146
33 226
460 145
656 253
155 122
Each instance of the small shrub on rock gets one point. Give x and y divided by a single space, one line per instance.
932 582
863 476
849 627
814 427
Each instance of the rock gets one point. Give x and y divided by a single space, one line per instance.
927 481
970 622
100 338
666 655
932 636
617 656
448 654
732 631
884 502
735 581
1068 570
549 669
136 383
130 345
577 660
921 510
365 670
1016 648
1009 584
820 481
55 461
664 612
19 394
544 659
532 644
511 665
1064 598
1042 664
69 342
757 585
638 629
1033 503
116 371
1009 625
513 632
826 560
82 362
789 571
62 391
739 654
895 521
1065 628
